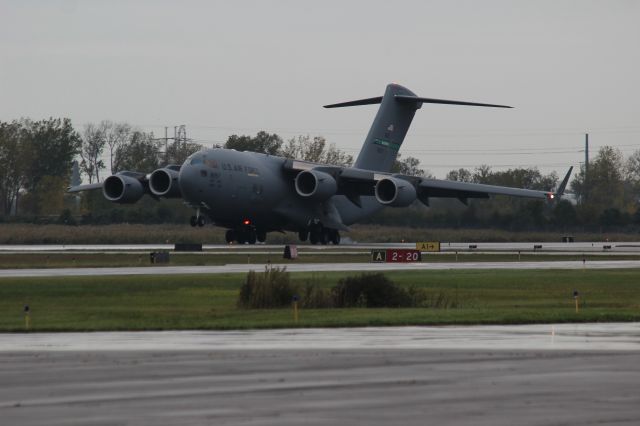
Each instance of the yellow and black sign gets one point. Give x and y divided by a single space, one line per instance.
378 256
428 246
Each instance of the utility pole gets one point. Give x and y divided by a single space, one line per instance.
586 154
179 137
586 164
166 145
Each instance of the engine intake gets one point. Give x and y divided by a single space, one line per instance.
395 192
165 183
122 189
315 185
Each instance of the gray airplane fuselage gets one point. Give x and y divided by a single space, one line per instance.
233 188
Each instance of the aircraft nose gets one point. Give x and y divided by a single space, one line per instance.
189 184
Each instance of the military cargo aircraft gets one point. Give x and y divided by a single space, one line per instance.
251 194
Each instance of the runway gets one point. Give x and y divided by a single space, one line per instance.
315 267
589 337
577 247
498 375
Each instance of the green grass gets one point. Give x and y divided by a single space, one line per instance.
209 302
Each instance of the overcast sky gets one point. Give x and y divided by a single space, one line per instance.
567 67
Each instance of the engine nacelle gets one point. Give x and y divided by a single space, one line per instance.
315 185
395 192
165 183
122 189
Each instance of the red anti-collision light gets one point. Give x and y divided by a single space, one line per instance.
246 222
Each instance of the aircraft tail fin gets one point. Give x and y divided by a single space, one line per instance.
391 124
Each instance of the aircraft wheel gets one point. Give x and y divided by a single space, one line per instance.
230 236
335 237
201 221
313 237
324 236
317 234
303 235
251 236
241 236
193 221
261 236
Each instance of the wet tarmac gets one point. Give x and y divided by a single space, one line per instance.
498 375
316 267
576 247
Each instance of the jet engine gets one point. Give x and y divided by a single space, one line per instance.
164 183
122 189
315 184
395 192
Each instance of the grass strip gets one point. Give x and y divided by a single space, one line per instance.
209 302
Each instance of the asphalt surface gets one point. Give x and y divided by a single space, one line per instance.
526 375
629 247
315 267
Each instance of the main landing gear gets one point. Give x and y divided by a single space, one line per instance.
197 221
245 234
318 234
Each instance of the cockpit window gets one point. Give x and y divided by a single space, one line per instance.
197 159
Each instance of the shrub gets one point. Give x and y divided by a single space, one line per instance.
273 289
270 289
373 291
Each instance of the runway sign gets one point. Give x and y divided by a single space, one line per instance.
395 255
428 246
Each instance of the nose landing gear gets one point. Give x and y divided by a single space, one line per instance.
245 234
197 221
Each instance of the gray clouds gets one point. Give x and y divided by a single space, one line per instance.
241 66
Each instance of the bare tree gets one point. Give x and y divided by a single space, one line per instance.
316 151
93 143
409 166
115 134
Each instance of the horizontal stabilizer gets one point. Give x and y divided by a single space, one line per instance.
368 101
407 98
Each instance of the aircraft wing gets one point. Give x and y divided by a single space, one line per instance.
428 188
354 182
142 177
437 188
86 187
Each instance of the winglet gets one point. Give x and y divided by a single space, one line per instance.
563 184
557 195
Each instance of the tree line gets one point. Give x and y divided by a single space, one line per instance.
36 160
